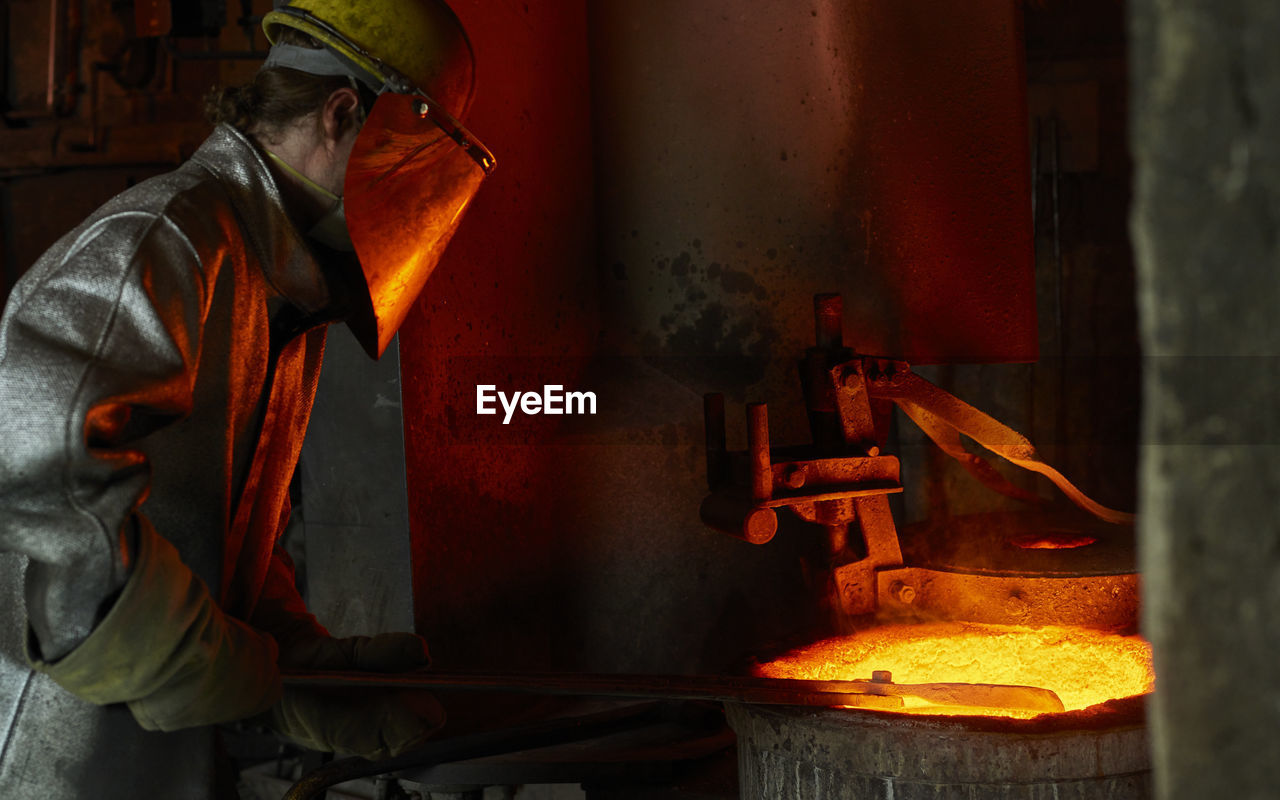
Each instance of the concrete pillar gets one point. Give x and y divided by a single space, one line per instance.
1206 143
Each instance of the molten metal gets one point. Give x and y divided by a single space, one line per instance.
1084 667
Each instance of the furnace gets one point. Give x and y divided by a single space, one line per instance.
963 619
1082 667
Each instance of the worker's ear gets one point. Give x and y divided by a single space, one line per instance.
340 115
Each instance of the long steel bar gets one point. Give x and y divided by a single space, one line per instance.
766 691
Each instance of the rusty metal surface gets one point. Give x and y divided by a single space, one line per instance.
877 149
820 475
1104 602
738 515
801 478
758 452
841 494
848 385
853 582
817 506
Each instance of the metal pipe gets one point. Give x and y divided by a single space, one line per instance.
837 537
51 80
758 448
50 108
733 513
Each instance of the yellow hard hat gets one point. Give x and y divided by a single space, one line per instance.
408 44
413 169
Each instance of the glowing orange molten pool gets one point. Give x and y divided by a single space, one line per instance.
1084 667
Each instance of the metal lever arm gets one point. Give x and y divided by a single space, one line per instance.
948 440
936 409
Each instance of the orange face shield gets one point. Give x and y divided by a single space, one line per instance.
413 171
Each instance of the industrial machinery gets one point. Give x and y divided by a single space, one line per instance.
842 483
986 598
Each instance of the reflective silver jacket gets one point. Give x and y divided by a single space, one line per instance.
159 360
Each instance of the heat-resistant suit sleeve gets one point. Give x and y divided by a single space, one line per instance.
98 347
373 724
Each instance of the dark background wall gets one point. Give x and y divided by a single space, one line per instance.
91 106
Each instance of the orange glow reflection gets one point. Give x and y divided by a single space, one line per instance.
1084 667
1052 541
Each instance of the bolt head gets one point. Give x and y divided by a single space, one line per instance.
903 593
1015 605
794 478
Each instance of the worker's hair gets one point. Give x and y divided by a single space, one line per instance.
277 97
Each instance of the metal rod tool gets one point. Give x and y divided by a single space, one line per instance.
880 692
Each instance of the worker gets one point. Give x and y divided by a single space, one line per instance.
157 369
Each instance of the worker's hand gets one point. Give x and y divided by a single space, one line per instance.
368 722
167 650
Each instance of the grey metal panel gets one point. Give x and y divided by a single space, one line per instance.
354 503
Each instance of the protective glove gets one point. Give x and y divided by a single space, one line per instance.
167 650
372 723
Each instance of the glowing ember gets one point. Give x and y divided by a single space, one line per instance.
1053 541
1084 667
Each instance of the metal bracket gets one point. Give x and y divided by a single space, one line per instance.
841 481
